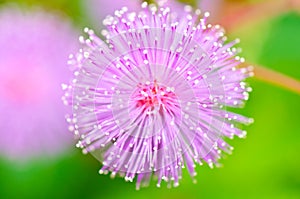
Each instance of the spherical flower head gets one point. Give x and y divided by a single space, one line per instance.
33 64
150 99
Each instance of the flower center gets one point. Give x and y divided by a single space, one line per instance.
152 96
153 107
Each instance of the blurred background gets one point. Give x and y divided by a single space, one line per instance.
264 165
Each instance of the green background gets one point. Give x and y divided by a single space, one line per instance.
264 165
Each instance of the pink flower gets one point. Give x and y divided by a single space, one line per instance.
211 6
151 98
34 47
99 9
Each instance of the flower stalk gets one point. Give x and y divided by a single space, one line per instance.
277 78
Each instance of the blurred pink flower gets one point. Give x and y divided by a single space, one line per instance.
33 54
99 9
211 6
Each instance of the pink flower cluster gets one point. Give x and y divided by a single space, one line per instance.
151 98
